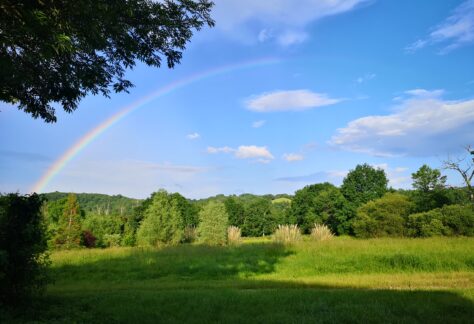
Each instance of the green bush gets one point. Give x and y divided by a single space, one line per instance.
386 216
112 240
213 221
23 261
426 224
448 220
102 225
459 219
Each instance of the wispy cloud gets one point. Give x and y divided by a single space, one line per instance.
320 176
280 21
366 77
456 31
293 157
193 136
258 153
422 125
122 177
258 123
24 156
290 100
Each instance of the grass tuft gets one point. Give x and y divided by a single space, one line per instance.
321 232
287 234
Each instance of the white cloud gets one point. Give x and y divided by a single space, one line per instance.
396 176
421 126
457 30
224 149
252 151
193 136
280 20
366 77
290 100
423 93
259 153
258 123
291 37
293 157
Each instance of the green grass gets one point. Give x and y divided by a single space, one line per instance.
342 280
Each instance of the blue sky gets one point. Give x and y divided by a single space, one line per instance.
390 83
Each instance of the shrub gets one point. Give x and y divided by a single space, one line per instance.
162 223
234 235
287 234
88 239
23 261
459 219
213 220
112 240
426 224
386 216
190 234
321 232
448 220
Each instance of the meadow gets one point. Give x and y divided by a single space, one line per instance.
388 280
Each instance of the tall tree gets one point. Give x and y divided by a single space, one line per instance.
22 248
464 165
69 228
258 218
235 210
162 223
363 184
302 206
57 51
429 187
213 222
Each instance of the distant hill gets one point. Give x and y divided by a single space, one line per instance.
99 203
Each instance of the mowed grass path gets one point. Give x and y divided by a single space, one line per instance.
343 280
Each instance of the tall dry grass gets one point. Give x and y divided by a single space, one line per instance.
287 234
234 235
321 232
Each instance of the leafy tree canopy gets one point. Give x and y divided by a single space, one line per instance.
428 179
57 51
363 184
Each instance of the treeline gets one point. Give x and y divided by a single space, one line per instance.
363 206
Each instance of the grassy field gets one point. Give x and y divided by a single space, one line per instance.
343 280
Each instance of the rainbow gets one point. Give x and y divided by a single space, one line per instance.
90 136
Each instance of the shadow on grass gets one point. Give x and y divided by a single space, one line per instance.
128 289
194 262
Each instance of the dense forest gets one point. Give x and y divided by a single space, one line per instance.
363 206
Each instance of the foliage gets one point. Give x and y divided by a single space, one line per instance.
287 234
429 187
427 224
88 239
23 260
69 230
112 240
99 204
302 206
234 235
464 165
459 219
58 51
258 218
321 232
190 234
102 225
188 211
213 222
363 184
333 210
386 216
235 210
163 221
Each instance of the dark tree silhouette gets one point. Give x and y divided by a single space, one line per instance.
57 51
